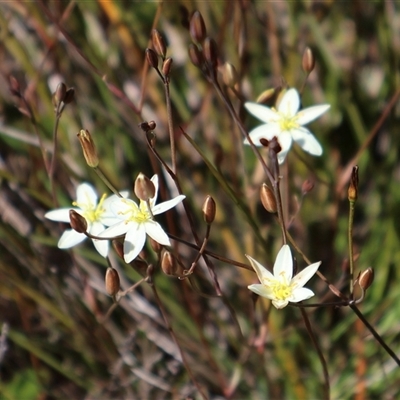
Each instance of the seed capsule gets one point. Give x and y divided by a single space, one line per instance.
197 27
366 278
209 210
268 199
77 221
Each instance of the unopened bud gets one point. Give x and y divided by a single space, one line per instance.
158 43
169 264
209 210
352 193
229 75
210 51
77 221
196 56
166 67
307 186
197 27
144 188
88 147
308 61
69 95
147 126
112 282
152 58
268 199
118 247
366 278
15 87
60 93
266 95
157 247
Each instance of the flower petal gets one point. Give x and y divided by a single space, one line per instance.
279 304
290 103
265 131
156 232
305 275
167 205
61 214
154 179
134 242
70 238
102 246
263 113
261 290
262 272
306 140
301 294
117 229
86 194
309 114
284 263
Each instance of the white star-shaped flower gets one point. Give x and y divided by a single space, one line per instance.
98 215
286 123
137 221
282 287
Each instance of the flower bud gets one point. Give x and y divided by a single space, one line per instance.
60 93
197 27
77 221
169 264
15 87
112 282
268 199
144 188
166 68
210 51
157 247
147 126
69 95
266 95
307 186
118 247
196 56
230 76
308 61
88 147
209 210
158 43
152 58
366 278
352 193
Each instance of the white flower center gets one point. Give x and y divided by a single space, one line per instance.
90 211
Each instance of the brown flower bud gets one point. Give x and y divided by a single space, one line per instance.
196 56
88 147
210 51
157 247
112 282
308 61
307 186
15 87
266 95
152 58
60 93
144 188
147 126
169 264
77 221
366 278
118 247
197 27
158 43
166 68
209 210
352 193
69 95
230 76
268 199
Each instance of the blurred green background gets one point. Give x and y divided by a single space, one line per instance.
55 342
